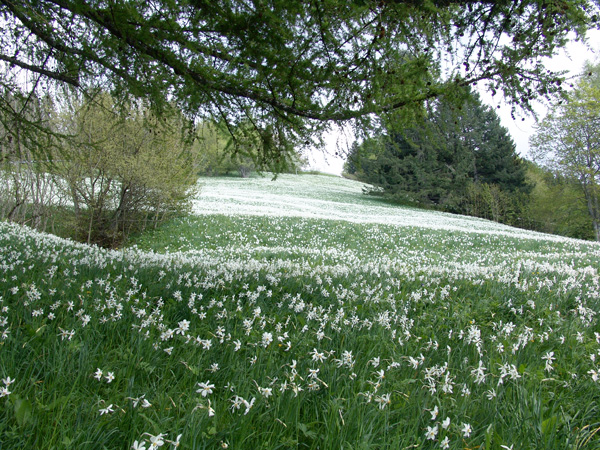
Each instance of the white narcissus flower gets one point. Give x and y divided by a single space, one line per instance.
109 409
434 413
183 326
176 443
156 441
466 430
383 401
446 423
138 445
237 402
445 443
316 356
248 405
267 338
211 411
431 432
205 388
266 392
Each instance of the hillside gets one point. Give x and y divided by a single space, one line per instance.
299 313
326 197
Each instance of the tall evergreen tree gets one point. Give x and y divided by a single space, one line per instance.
440 160
478 138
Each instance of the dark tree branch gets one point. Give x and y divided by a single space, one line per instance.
58 76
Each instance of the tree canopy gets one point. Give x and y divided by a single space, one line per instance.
289 66
568 140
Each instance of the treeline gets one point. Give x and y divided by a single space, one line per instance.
458 158
104 171
97 170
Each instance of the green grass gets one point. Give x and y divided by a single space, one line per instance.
268 299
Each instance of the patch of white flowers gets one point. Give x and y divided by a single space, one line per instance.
293 325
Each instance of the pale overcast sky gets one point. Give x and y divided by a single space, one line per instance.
572 59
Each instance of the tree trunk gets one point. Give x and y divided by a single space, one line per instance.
590 191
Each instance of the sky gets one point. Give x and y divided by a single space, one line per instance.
571 58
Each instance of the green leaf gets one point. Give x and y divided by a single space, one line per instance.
306 432
549 425
23 410
148 419
489 434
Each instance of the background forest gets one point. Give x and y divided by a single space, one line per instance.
108 169
109 111
111 168
458 158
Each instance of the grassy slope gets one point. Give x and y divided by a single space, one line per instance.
403 313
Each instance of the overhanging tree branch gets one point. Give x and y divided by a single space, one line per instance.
58 76
297 63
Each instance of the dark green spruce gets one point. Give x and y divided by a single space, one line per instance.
457 157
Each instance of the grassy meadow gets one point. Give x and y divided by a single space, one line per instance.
300 313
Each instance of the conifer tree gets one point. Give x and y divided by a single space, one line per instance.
289 67
442 158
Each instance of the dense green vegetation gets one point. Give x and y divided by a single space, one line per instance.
222 151
459 158
285 68
568 141
110 169
235 86
389 328
295 313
